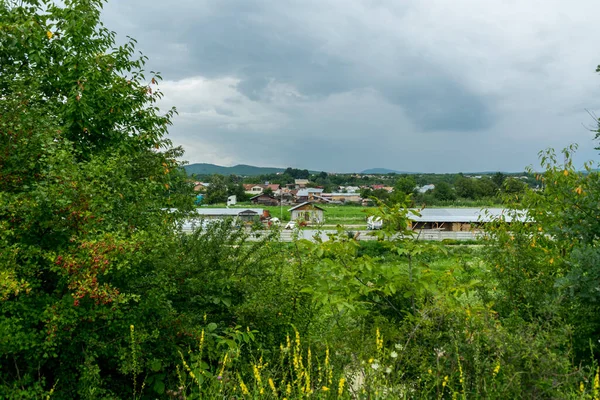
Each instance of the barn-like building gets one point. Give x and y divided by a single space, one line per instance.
459 219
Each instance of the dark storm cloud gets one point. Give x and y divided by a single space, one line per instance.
320 81
258 42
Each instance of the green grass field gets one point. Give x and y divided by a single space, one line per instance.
334 214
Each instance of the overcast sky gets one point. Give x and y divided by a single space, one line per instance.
345 85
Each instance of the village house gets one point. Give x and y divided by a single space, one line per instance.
265 199
343 197
200 186
253 188
323 200
257 188
285 195
349 189
388 189
307 194
307 212
288 196
300 183
275 187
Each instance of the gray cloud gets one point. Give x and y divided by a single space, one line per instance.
340 85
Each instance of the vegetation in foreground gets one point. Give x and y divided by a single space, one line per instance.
102 298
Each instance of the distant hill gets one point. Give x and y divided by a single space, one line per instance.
382 171
250 170
241 169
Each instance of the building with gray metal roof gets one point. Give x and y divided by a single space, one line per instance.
461 219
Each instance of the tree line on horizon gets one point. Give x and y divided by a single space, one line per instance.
448 188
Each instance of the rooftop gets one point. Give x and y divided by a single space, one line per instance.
305 192
464 215
305 204
226 211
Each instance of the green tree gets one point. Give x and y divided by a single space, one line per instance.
546 265
297 173
236 189
86 179
485 188
465 187
514 186
443 191
498 179
405 185
217 191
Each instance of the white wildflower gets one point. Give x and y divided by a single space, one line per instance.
393 354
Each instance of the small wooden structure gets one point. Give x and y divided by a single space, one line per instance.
265 199
308 212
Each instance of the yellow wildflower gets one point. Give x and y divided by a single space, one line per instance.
49 34
325 388
496 369
244 388
257 377
272 386
328 370
223 367
307 373
378 340
341 386
597 384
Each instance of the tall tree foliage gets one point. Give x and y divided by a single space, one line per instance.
546 267
85 174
